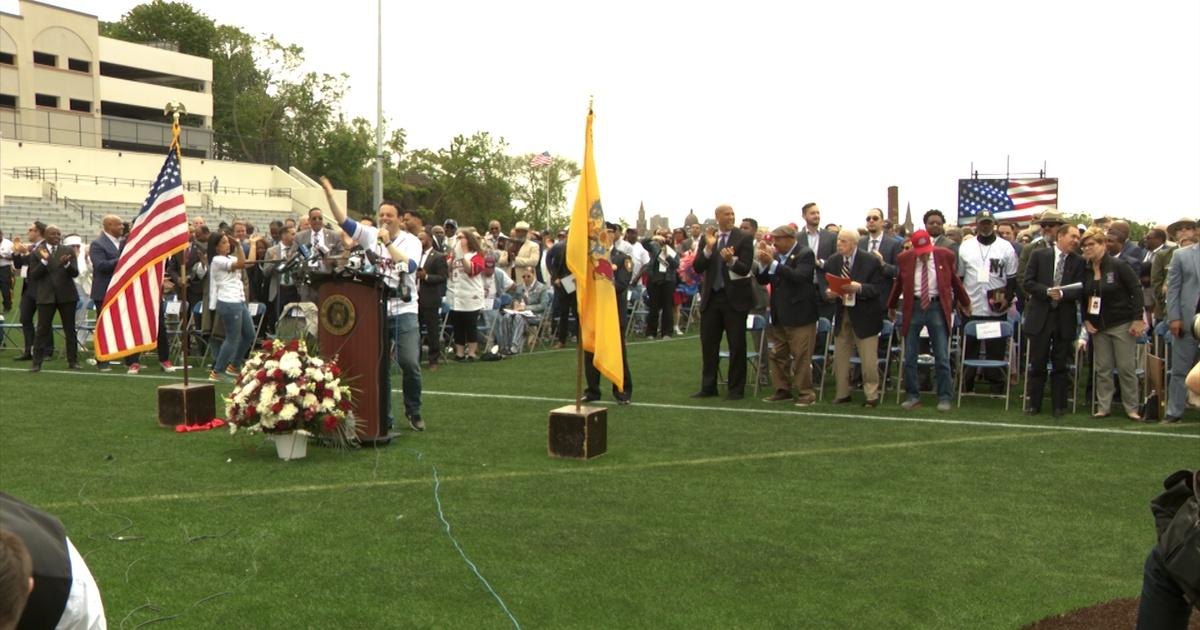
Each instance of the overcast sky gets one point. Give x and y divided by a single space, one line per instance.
767 106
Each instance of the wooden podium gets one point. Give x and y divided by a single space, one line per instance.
353 317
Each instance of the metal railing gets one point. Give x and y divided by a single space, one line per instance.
52 175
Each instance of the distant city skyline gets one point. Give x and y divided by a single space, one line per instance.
766 106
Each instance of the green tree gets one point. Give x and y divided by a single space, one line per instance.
469 181
530 184
175 22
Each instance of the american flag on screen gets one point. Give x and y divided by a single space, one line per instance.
1008 199
542 159
128 320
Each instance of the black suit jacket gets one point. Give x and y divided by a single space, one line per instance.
738 291
889 248
433 287
793 293
653 275
867 314
1039 309
55 279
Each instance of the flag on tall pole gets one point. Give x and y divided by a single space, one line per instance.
588 244
127 322
541 159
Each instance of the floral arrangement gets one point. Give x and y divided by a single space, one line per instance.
282 389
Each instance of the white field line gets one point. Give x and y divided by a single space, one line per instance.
570 469
1145 432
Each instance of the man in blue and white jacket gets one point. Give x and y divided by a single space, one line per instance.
398 251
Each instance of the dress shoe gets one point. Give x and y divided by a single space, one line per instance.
36 367
590 397
841 401
805 402
778 396
623 401
416 423
1171 420
74 365
870 404
1058 413
23 357
733 396
704 394
1100 414
1133 415
1030 411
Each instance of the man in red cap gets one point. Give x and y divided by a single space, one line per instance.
925 276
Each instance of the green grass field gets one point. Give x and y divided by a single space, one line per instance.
719 514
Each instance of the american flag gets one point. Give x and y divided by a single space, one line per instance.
542 159
128 321
1008 199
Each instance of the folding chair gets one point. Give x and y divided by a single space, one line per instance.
638 311
692 308
824 328
970 331
258 312
754 323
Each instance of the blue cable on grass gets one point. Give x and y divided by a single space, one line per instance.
436 485
437 499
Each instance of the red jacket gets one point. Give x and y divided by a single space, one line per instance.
948 284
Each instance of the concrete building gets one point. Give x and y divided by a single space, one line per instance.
62 83
659 222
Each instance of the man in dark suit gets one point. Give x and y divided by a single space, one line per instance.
823 243
54 267
23 257
724 258
622 277
877 242
1052 317
792 332
661 274
859 314
432 272
104 252
318 241
926 279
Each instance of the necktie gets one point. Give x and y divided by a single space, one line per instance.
925 286
874 245
1058 269
719 281
846 268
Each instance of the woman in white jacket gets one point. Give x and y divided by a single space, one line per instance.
465 292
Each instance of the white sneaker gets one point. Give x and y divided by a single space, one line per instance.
943 405
677 331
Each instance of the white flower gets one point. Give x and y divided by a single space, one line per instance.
293 390
288 412
309 401
290 364
316 362
270 365
268 420
266 397
248 389
318 375
327 404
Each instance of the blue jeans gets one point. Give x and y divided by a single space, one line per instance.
934 320
239 334
404 331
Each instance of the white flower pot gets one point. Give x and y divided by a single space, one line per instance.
290 445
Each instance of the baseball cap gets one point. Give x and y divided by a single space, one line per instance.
921 243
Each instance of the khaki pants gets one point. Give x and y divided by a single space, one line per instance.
1114 347
868 351
791 359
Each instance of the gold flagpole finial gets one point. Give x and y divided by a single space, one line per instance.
175 109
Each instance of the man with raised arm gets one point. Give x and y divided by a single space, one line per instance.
398 252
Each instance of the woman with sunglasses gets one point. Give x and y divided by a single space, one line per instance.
1112 311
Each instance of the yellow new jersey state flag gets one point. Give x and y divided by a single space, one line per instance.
587 258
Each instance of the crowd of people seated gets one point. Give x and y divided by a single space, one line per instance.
1062 288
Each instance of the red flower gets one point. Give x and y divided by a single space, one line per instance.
309 414
277 407
335 371
250 411
293 345
330 423
260 376
277 375
344 405
268 345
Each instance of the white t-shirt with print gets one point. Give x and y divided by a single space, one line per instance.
984 268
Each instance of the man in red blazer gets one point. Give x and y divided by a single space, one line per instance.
925 276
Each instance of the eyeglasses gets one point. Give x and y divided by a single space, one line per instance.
873 218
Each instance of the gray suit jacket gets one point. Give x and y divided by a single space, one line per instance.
332 238
1183 285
